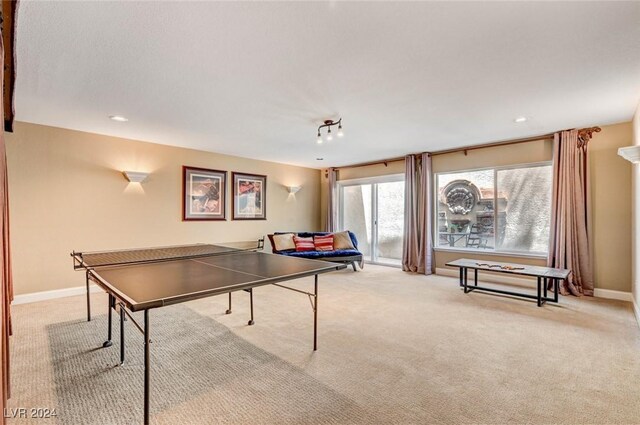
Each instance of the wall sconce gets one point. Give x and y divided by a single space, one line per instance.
293 189
630 153
135 176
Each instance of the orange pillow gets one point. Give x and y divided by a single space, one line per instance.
303 244
323 243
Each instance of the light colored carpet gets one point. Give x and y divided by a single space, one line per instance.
393 348
196 357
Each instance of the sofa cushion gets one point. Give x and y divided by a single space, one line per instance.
342 240
303 244
352 236
283 242
323 254
323 243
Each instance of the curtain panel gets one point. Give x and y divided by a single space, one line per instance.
570 244
6 282
417 248
331 214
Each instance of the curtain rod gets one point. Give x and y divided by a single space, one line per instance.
493 144
583 133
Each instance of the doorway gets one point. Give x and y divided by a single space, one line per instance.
373 209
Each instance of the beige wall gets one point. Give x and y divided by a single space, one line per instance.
521 153
611 205
67 192
394 167
611 197
635 199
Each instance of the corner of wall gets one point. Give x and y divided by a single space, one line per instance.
635 205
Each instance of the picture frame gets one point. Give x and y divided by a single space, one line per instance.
203 194
249 196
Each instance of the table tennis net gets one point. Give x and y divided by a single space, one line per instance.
150 255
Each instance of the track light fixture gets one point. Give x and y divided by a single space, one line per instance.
329 124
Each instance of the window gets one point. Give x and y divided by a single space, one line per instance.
373 209
506 209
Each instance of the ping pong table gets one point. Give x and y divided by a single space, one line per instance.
148 278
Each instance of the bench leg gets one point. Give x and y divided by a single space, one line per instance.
353 264
465 280
539 291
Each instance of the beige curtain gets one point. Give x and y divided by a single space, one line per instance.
6 283
570 242
331 215
417 249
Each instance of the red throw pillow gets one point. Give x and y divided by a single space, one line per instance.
303 244
323 243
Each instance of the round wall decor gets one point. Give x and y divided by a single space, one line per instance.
461 196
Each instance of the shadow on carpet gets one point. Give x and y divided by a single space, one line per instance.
201 372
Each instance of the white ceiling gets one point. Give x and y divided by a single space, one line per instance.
255 79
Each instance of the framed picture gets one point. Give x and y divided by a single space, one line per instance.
203 194
249 196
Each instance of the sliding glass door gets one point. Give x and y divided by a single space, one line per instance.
373 209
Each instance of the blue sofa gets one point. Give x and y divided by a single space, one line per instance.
346 256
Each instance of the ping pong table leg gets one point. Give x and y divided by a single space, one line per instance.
251 303
229 310
315 313
108 342
88 297
121 334
146 367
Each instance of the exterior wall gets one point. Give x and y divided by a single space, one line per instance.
67 193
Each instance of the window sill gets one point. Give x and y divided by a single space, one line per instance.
493 253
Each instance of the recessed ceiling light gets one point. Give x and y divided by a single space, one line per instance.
520 119
118 118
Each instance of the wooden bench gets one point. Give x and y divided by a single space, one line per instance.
543 275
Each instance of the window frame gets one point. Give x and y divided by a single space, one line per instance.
496 252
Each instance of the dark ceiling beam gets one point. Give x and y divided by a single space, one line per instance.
7 22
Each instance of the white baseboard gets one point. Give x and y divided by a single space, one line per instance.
612 295
49 295
494 278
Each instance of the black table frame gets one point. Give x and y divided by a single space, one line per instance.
118 303
542 284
